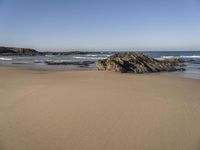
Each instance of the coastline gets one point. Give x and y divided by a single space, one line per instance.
174 74
97 110
83 61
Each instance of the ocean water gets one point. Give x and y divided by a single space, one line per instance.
191 60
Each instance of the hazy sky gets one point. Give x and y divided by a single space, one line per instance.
101 24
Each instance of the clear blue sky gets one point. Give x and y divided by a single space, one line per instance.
101 24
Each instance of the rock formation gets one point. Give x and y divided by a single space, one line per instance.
137 63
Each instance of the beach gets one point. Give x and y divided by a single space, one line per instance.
97 110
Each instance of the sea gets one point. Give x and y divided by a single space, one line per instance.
191 61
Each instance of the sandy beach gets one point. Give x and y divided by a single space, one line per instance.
91 110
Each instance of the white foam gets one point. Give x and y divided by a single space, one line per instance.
5 58
91 55
57 61
194 56
168 57
183 56
38 61
49 55
93 58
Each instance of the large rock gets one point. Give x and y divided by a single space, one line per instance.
136 63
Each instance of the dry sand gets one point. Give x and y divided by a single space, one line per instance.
90 110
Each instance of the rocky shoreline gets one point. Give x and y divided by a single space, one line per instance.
129 62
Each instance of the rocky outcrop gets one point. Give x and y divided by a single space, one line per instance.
136 63
17 51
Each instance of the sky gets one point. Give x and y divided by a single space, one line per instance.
101 24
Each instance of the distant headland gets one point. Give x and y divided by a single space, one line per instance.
9 51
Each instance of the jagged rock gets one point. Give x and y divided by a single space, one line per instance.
136 63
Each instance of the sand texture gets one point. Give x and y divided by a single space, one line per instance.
90 110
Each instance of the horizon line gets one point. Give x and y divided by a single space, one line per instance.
100 49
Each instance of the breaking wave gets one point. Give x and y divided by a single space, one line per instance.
182 56
5 58
88 58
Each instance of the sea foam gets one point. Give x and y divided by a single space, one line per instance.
5 58
182 56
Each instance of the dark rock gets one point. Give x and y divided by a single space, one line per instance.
19 63
181 69
17 51
173 61
77 63
136 63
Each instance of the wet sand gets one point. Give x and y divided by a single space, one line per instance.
90 110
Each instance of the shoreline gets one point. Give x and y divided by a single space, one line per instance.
178 74
190 61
